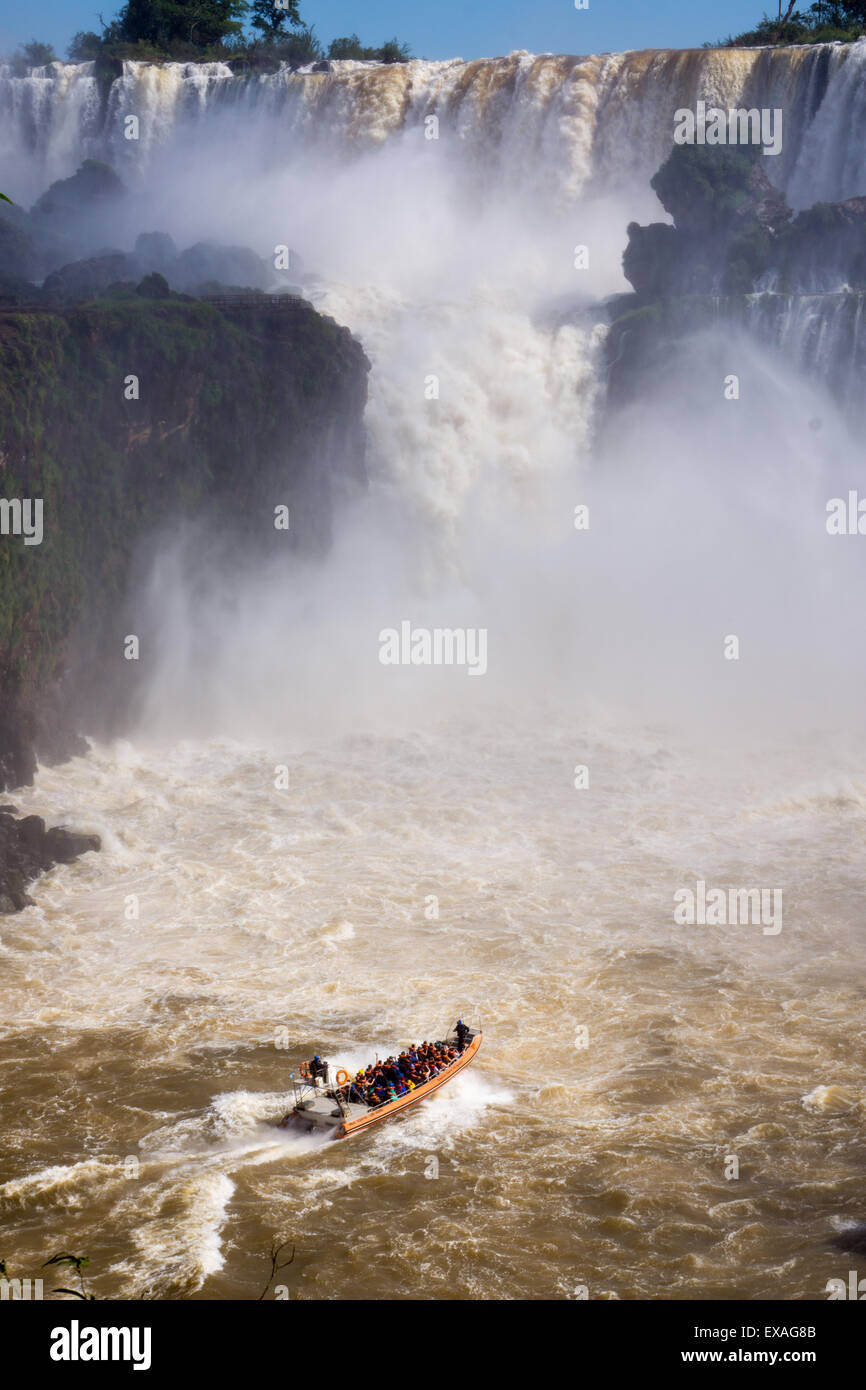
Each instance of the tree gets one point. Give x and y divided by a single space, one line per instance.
299 47
269 16
84 47
33 55
163 23
392 51
351 47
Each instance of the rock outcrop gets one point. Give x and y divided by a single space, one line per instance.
28 849
734 233
735 253
134 413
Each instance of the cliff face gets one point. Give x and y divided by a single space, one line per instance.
238 410
737 255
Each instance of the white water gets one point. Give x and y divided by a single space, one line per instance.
518 119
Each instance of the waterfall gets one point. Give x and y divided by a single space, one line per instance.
438 207
553 123
822 334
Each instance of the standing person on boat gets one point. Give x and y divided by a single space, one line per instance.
462 1034
318 1068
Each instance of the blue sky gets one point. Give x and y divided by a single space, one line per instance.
449 28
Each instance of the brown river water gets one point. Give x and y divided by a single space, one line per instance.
142 1073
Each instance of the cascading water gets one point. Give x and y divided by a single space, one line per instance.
602 118
434 851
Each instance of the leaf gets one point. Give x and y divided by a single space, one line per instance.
5 199
85 1297
80 1261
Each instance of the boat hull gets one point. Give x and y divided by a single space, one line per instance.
321 1117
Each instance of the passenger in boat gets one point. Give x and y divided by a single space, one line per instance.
318 1067
462 1034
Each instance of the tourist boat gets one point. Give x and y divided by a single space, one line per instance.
318 1106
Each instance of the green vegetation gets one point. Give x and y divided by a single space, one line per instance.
237 410
210 31
79 1263
732 229
391 52
32 55
168 24
735 254
271 21
827 21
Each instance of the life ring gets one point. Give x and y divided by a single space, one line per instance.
342 1077
305 1071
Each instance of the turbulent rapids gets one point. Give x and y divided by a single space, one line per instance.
306 848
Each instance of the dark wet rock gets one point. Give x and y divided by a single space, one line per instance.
712 190
17 758
89 278
322 66
733 233
267 405
229 265
852 1240
728 224
736 256
17 253
70 218
65 845
16 290
155 250
826 247
650 260
93 184
27 849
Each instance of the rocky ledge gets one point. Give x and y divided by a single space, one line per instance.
27 849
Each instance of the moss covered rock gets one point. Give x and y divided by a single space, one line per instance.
124 417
